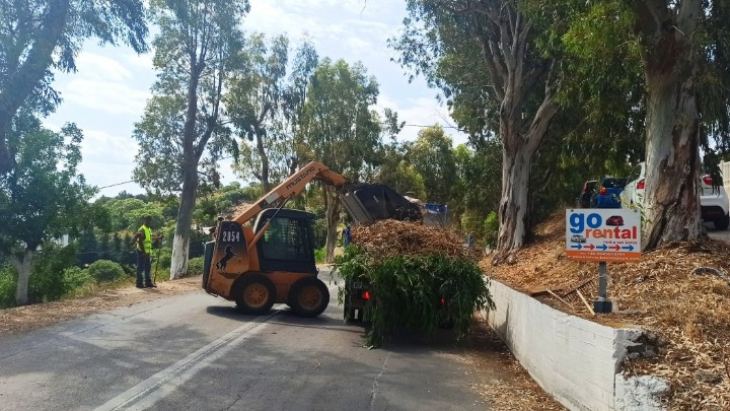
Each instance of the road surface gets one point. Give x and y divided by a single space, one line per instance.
194 352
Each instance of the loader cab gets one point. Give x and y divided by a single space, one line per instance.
288 244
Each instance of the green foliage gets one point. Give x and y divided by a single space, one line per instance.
319 255
105 271
43 196
195 266
8 278
75 279
39 38
433 158
408 291
491 229
127 214
398 173
46 280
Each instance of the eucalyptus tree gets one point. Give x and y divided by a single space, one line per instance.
484 56
433 157
255 102
198 45
38 37
340 128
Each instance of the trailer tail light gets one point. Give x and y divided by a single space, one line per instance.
707 179
603 190
640 185
443 301
366 295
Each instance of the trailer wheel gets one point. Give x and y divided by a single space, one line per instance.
309 297
255 294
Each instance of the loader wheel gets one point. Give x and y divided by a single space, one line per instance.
255 294
309 297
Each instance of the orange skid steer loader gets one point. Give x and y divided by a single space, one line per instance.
265 255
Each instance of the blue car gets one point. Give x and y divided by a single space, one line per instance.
609 193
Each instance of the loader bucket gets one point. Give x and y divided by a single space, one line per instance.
368 203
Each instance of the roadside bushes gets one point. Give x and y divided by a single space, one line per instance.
105 270
8 278
419 293
195 266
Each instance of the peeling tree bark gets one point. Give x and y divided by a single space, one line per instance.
504 35
672 209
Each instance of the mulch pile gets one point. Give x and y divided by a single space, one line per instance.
674 292
389 238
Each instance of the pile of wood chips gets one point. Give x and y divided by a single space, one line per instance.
389 238
687 309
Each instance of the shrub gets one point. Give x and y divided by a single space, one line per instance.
491 229
8 279
105 270
195 266
416 292
75 278
320 254
46 279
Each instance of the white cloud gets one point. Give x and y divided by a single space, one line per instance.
421 112
106 96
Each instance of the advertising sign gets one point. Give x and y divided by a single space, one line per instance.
610 235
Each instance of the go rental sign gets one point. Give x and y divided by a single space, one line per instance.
603 234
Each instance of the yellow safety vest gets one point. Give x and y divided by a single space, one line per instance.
147 239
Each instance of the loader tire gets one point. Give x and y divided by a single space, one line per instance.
255 294
309 297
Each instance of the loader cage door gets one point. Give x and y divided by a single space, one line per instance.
288 244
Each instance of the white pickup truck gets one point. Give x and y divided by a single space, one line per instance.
714 203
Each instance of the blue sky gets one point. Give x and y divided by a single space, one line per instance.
108 93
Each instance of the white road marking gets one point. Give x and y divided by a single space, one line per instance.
148 392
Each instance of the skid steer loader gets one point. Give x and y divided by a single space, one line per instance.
265 255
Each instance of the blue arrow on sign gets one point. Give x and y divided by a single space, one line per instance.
602 247
576 246
628 247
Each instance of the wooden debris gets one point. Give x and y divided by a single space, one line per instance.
686 307
590 309
391 237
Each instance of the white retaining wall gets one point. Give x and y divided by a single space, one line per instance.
575 360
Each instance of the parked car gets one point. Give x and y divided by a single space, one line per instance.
590 188
577 238
714 202
609 192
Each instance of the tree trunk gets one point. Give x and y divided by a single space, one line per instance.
181 240
672 208
264 163
23 266
20 83
513 206
333 218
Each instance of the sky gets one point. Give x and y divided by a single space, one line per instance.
107 95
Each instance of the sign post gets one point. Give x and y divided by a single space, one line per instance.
603 235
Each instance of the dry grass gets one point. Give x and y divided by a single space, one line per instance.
18 319
689 312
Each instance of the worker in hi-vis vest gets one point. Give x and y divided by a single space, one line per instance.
143 240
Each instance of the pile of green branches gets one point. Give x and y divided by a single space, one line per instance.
418 293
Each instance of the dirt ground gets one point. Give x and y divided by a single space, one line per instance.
18 319
679 293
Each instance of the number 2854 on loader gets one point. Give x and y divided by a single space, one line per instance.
265 255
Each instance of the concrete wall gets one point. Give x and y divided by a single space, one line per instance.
574 360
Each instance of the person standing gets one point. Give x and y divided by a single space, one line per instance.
143 239
346 236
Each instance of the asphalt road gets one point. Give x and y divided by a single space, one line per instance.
194 352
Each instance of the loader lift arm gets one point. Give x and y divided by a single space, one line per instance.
292 187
